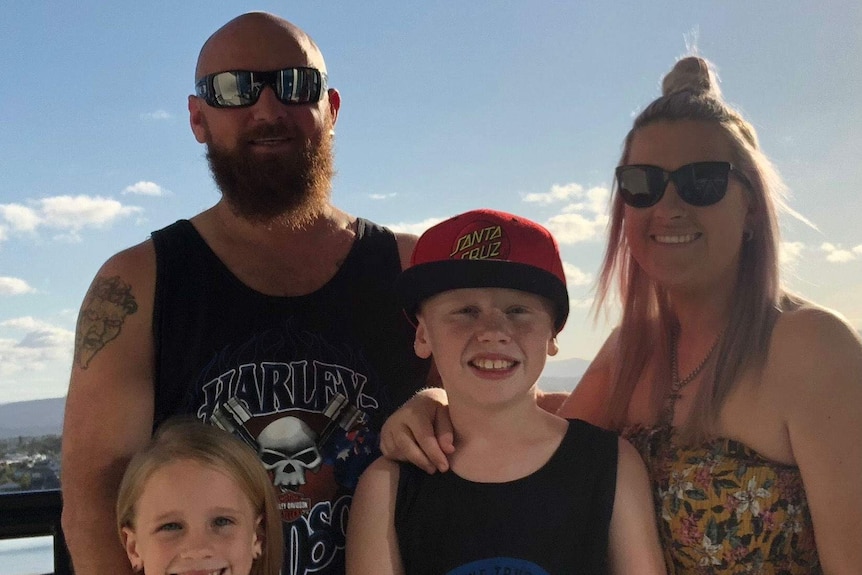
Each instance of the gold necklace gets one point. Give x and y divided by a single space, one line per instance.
676 384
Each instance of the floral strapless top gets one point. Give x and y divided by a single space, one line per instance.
724 509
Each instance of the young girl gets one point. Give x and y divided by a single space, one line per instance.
198 500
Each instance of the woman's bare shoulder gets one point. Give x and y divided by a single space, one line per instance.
813 344
804 325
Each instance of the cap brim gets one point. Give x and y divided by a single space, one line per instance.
418 283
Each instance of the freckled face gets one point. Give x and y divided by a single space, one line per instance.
680 246
489 344
192 519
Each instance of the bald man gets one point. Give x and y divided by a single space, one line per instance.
270 314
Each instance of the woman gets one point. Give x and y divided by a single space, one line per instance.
744 401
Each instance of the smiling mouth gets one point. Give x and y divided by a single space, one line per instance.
493 364
678 239
221 571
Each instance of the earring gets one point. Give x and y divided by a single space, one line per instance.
331 132
748 235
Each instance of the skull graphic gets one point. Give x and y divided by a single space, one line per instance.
288 448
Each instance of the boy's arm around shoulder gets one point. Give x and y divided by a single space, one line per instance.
372 544
109 407
633 543
815 366
589 400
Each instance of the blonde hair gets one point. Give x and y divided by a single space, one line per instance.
690 92
183 439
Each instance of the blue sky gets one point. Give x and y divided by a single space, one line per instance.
446 106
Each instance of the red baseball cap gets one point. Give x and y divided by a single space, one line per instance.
485 248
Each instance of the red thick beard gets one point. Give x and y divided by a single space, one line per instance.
290 189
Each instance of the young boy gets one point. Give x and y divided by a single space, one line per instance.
527 492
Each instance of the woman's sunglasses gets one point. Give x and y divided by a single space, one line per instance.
699 184
242 88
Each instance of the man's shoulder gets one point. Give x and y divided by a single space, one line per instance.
136 261
406 244
404 241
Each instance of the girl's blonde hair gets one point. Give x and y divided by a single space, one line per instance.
690 92
185 439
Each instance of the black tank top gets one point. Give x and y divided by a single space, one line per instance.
554 521
307 381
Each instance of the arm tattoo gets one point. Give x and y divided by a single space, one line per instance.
105 308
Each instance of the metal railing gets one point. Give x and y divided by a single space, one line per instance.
34 513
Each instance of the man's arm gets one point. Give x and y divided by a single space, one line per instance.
109 407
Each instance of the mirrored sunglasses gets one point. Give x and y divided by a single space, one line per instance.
241 88
699 183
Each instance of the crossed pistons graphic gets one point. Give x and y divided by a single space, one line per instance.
288 446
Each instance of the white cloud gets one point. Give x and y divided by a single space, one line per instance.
65 215
572 228
790 252
41 346
144 188
837 254
858 250
21 218
157 115
582 218
77 212
558 193
576 277
26 323
14 286
381 196
414 228
840 256
596 201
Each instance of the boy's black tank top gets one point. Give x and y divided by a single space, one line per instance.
555 521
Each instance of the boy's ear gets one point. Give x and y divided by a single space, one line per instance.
420 342
553 348
130 543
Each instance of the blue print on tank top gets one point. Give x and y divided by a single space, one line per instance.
499 566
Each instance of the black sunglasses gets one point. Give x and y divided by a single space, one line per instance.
699 184
242 88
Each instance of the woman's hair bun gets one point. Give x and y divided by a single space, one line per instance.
691 74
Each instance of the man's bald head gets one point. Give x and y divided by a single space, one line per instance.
258 41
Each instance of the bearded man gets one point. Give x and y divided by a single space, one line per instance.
271 314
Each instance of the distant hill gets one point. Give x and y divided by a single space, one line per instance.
32 418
